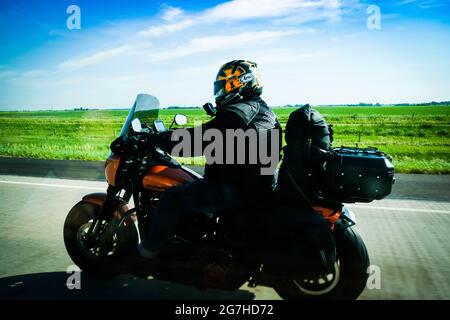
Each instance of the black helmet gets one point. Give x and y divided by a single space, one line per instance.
236 80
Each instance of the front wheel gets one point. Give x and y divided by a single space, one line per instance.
347 280
96 259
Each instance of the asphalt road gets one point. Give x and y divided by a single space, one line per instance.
407 236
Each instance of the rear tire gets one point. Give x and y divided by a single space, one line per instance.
77 222
347 281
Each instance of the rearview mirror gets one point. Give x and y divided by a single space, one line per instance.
180 119
136 125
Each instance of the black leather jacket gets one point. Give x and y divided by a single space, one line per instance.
251 114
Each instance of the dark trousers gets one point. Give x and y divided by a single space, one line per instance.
202 195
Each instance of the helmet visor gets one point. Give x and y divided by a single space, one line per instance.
219 88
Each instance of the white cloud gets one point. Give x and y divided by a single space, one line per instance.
101 56
166 28
278 56
33 73
95 58
423 4
252 9
171 13
286 11
218 43
401 3
428 4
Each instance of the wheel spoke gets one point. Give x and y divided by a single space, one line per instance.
321 284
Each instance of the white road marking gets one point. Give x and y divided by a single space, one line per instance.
352 206
52 185
397 209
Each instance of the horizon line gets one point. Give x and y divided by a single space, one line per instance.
405 104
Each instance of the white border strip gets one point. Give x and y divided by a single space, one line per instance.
67 186
398 209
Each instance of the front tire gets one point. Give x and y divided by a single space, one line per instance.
76 224
346 282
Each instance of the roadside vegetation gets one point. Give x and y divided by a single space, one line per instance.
417 137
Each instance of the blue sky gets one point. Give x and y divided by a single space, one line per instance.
316 51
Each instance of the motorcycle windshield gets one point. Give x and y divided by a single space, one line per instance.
145 108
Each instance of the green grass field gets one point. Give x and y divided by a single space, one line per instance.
416 137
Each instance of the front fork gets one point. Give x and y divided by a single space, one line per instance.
105 213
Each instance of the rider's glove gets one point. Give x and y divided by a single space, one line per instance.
117 146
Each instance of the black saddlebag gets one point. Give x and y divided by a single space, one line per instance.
357 175
312 170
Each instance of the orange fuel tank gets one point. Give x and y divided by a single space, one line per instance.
111 165
162 177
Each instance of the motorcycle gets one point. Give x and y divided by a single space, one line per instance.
208 250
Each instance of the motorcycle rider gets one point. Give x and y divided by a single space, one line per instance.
225 187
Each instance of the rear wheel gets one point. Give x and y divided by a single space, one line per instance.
346 281
99 258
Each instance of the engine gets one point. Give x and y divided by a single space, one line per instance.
206 267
